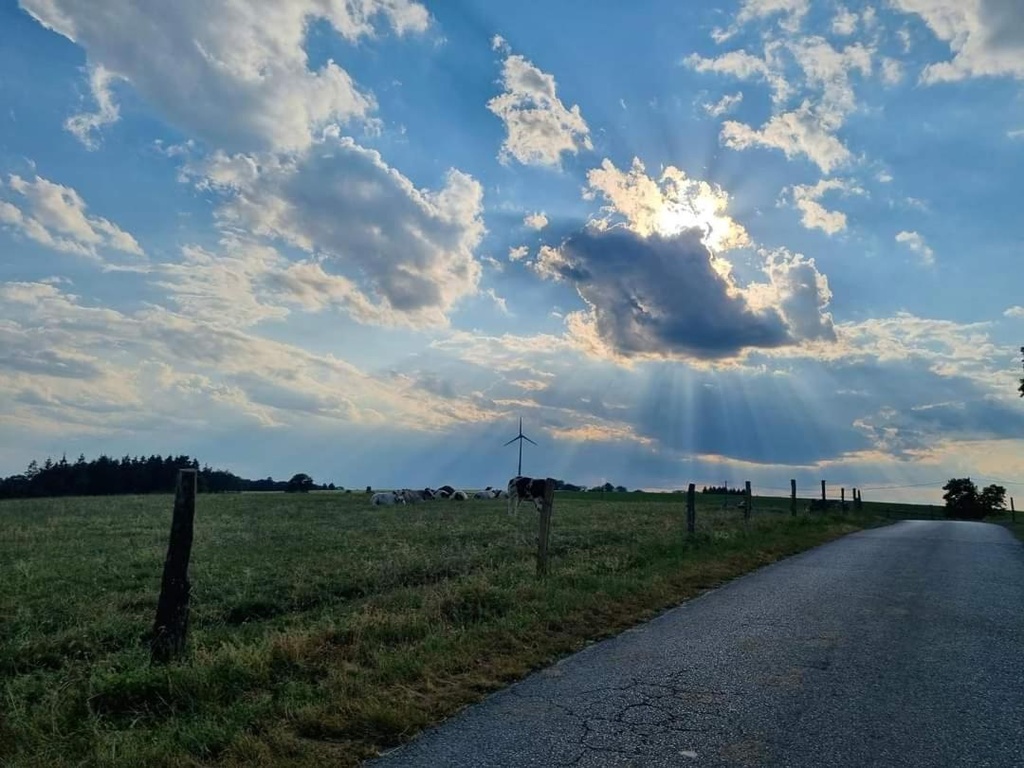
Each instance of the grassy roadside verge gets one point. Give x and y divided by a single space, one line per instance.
324 630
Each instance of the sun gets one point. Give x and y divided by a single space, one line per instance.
698 205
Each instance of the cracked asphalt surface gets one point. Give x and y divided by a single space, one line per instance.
900 646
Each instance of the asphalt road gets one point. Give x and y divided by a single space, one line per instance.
901 646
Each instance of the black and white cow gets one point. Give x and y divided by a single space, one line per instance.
525 489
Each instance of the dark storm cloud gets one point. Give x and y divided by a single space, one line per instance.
661 296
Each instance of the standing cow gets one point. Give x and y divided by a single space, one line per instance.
525 489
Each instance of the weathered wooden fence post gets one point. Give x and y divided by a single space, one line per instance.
1013 510
823 490
691 509
544 533
171 626
749 505
792 497
856 500
842 499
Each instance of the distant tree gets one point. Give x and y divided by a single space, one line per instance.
369 489
608 488
963 501
993 499
620 489
300 483
961 497
330 487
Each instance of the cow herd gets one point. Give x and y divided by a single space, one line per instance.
407 496
519 489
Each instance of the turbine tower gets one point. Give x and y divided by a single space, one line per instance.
520 437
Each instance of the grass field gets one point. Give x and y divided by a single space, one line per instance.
323 628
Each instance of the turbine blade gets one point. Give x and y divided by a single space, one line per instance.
529 440
511 441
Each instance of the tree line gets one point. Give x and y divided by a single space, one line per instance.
140 474
722 489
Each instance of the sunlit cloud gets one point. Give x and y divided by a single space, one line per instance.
241 78
539 127
667 205
536 221
916 243
56 216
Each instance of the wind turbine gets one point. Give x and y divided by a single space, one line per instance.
520 437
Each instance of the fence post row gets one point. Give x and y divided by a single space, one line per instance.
691 509
544 533
171 626
792 497
750 503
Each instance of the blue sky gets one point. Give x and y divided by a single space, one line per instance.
701 242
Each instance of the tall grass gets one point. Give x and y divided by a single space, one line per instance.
323 628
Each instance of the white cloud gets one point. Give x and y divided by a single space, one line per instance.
536 220
499 43
56 216
845 22
825 81
791 11
985 36
815 215
1014 312
905 39
828 70
518 253
105 370
1016 134
796 133
234 73
499 301
917 244
407 250
86 124
222 289
724 105
892 71
539 126
746 66
799 292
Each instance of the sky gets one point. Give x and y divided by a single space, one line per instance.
685 241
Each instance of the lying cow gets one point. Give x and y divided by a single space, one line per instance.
525 489
411 497
386 499
460 496
445 491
